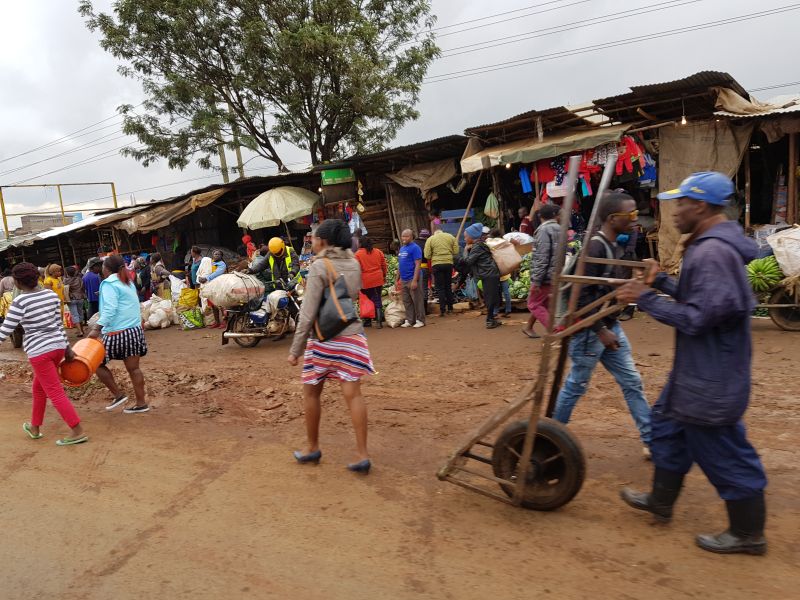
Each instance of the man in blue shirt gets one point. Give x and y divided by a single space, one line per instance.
409 259
91 284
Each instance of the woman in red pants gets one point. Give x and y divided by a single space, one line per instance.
38 310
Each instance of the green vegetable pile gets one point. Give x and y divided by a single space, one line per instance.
519 287
391 274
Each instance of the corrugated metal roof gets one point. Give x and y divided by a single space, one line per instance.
553 119
703 79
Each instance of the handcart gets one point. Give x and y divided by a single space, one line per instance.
546 470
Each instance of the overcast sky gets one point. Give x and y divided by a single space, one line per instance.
55 78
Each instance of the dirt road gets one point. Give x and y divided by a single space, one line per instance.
201 499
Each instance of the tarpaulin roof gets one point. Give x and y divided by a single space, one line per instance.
531 149
425 176
161 216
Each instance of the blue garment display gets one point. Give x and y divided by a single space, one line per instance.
525 180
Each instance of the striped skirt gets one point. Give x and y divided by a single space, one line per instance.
124 344
345 357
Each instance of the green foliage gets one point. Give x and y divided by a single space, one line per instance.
333 77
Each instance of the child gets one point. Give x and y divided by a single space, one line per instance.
38 310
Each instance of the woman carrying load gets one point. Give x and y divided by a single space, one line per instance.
38 310
123 337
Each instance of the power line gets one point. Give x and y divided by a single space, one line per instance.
528 35
416 37
91 159
502 14
605 45
68 136
85 146
774 87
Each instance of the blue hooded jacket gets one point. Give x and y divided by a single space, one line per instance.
713 301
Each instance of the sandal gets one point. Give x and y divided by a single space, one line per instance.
72 441
531 334
26 427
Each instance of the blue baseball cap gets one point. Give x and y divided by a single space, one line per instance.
708 186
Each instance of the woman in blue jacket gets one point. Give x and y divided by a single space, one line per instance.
123 337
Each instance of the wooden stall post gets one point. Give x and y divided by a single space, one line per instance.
747 191
791 197
469 206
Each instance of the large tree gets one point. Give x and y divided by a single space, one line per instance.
333 77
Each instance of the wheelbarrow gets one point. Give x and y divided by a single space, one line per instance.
538 463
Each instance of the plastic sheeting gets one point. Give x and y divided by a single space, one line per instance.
425 176
161 216
531 149
709 146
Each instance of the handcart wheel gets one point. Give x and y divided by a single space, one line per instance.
239 327
787 318
558 466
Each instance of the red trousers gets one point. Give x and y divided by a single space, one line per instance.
47 384
537 304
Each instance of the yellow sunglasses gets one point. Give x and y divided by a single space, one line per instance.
632 216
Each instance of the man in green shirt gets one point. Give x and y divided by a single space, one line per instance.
440 250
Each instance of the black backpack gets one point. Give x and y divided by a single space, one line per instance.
565 290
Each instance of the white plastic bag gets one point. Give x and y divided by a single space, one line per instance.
394 314
786 245
232 289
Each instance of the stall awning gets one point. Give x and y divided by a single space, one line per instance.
425 176
161 216
531 149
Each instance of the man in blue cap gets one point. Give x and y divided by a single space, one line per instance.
480 262
698 417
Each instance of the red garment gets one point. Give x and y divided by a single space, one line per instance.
526 226
46 383
627 152
544 170
373 268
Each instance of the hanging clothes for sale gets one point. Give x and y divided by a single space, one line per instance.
525 180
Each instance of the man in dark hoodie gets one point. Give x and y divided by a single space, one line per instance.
698 417
480 262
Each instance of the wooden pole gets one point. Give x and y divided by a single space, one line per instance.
60 251
469 206
536 203
747 189
498 196
791 197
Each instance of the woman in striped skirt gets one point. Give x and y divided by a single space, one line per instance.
344 357
121 325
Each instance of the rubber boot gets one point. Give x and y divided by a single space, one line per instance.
666 488
379 317
745 533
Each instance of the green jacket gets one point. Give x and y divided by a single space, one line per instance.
441 248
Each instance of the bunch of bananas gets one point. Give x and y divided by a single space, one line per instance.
764 274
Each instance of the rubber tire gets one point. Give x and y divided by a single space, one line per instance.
787 319
551 435
248 342
16 337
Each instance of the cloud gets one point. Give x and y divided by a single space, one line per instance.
55 78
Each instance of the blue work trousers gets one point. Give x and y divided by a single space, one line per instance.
724 454
585 351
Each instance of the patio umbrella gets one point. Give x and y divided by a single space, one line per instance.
278 204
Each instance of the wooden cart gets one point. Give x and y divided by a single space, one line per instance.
546 470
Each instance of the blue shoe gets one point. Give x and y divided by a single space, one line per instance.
360 467
311 457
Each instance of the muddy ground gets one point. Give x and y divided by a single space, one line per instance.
200 498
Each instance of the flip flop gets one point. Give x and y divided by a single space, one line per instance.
533 336
26 427
72 441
